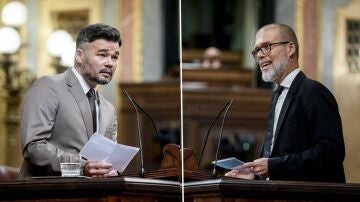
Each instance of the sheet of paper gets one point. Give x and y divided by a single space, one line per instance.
229 163
100 148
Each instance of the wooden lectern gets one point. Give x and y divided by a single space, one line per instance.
171 165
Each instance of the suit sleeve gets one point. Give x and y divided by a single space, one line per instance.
326 151
37 120
111 131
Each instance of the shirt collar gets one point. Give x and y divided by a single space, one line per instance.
289 78
84 85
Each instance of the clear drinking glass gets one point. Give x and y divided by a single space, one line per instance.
70 165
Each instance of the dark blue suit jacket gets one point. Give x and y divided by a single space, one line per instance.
309 143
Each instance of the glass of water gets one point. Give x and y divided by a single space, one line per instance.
70 165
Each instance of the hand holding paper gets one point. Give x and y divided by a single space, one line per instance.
102 149
236 167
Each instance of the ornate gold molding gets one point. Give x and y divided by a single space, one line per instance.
299 26
137 40
350 11
347 90
49 11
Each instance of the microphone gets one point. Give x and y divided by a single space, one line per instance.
136 106
208 131
214 174
145 112
142 172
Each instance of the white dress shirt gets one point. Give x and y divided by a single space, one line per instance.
286 83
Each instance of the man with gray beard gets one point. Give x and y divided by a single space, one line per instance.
62 111
304 139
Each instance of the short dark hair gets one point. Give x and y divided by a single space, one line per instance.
93 32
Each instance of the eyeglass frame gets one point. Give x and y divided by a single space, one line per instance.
268 46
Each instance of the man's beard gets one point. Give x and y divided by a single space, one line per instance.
270 75
85 71
101 81
275 72
97 79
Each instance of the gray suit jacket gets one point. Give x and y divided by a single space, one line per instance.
56 119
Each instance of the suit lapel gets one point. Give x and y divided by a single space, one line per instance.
81 99
289 97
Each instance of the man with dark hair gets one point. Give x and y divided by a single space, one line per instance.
304 139
61 112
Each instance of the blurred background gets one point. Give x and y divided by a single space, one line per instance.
37 38
217 39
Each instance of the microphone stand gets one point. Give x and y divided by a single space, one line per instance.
208 131
214 173
142 172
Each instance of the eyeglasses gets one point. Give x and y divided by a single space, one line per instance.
266 48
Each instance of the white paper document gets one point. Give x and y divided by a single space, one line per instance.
100 148
229 163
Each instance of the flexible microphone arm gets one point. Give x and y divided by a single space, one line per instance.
139 134
148 115
208 131
214 174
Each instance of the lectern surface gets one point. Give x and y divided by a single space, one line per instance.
90 189
256 190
